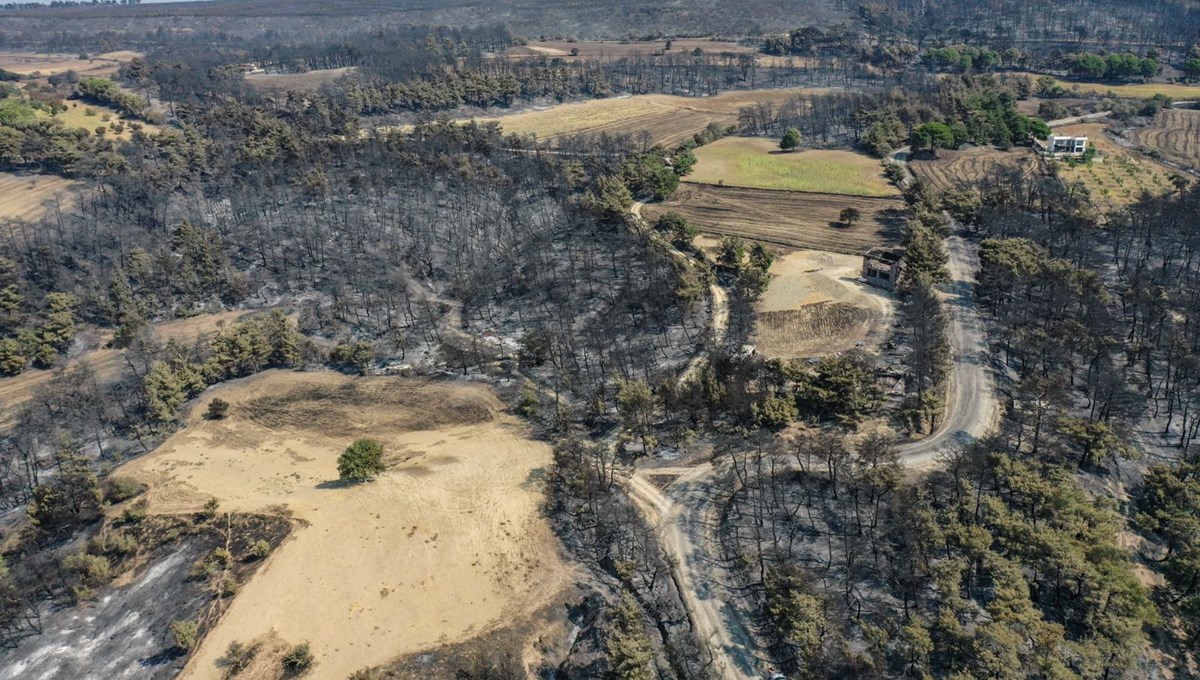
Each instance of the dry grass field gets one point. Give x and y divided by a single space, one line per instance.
91 116
597 49
758 163
1118 176
669 119
967 167
815 306
297 82
1132 90
25 197
1175 134
447 544
787 218
30 63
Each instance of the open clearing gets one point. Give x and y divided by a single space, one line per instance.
668 118
30 63
759 163
1118 176
1133 90
787 218
969 166
309 81
815 306
24 197
1175 134
86 116
445 545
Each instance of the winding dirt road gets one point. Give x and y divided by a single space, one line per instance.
685 511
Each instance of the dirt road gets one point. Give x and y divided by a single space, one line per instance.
685 520
971 404
684 512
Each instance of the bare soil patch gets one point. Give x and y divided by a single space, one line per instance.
446 545
968 167
1175 133
815 306
787 218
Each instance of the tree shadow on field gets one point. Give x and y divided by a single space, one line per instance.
340 483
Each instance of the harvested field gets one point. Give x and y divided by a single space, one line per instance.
758 163
669 119
310 81
968 167
1118 176
815 306
29 63
109 363
446 545
610 50
787 218
1175 134
26 197
604 49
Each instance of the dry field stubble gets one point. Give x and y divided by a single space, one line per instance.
1175 134
25 197
669 119
968 167
788 218
447 544
29 63
310 81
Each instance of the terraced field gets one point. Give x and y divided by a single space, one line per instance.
1175 134
669 119
969 166
788 218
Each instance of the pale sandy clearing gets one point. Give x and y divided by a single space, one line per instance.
25 197
445 545
814 306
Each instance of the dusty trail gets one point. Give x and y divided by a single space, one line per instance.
684 511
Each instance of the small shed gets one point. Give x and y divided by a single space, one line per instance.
883 267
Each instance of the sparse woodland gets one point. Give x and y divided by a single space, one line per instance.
1064 545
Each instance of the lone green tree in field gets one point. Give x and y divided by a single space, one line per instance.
361 461
791 139
849 216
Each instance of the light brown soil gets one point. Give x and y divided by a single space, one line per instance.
669 119
1175 134
297 82
787 218
607 50
815 306
447 544
26 197
967 167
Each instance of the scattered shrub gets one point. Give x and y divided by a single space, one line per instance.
185 634
218 408
121 489
298 661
